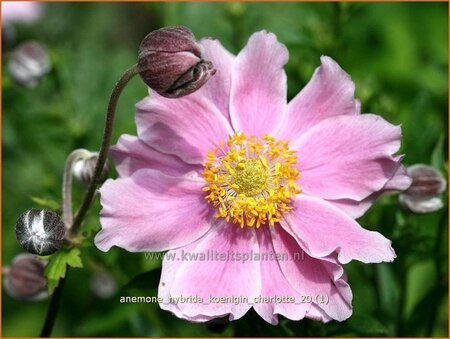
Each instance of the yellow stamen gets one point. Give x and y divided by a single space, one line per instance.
252 181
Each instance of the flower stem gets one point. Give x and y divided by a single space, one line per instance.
67 184
53 309
67 188
118 88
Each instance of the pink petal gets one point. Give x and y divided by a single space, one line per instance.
187 127
347 157
20 11
400 181
275 284
323 280
150 211
217 89
171 264
258 88
317 314
355 209
330 92
321 229
212 277
131 154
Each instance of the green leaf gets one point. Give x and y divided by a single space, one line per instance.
366 325
437 156
421 277
46 203
425 311
57 266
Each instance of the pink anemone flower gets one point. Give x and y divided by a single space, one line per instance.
254 198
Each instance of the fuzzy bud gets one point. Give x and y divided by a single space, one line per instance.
29 62
24 279
424 194
170 62
84 169
40 232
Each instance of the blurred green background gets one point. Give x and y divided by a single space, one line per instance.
397 54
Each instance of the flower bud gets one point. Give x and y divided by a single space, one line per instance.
170 62
424 194
24 279
28 63
84 169
40 232
103 285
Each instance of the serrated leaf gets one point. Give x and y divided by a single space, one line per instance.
57 266
46 203
74 259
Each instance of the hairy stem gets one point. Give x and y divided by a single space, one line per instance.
118 88
53 309
74 225
73 157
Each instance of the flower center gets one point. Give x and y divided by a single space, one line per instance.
251 177
251 181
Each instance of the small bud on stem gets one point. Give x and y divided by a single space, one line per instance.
83 169
178 42
170 62
424 194
40 232
24 279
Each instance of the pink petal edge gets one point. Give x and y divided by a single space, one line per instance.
322 229
150 211
217 278
259 85
131 154
330 92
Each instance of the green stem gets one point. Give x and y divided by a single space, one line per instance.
67 184
67 179
53 309
118 88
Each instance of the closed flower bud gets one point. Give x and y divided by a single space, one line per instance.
170 62
40 232
24 279
28 63
84 169
424 194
